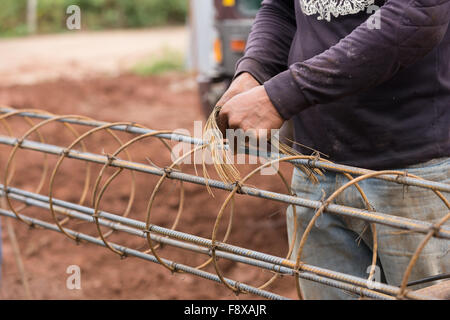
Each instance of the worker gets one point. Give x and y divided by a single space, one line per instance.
366 82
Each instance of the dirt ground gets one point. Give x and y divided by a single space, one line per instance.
167 102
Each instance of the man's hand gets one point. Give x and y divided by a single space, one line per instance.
242 83
250 111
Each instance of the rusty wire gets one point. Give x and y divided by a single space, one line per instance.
296 268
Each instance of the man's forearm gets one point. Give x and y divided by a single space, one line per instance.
365 58
267 50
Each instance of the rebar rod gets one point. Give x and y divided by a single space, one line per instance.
238 254
95 124
206 251
196 141
117 226
131 252
369 216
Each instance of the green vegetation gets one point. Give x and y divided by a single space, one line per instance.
12 17
95 14
168 61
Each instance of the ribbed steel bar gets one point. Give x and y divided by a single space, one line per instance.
340 168
273 263
206 251
369 216
131 252
362 292
95 124
88 217
196 141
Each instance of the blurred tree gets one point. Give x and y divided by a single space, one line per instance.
13 17
32 16
96 14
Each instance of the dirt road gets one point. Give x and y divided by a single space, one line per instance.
82 54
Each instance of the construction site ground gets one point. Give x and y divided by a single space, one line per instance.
165 102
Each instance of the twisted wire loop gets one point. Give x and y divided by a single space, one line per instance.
9 176
433 232
64 154
213 248
237 189
167 171
320 210
9 170
99 196
292 244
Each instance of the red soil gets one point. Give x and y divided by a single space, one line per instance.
167 103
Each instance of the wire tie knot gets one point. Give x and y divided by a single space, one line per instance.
401 295
110 158
19 142
129 126
298 268
77 239
237 288
168 171
313 160
65 152
238 186
174 268
324 202
149 229
435 228
212 248
401 176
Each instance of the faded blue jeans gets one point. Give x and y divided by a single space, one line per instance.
333 241
1 252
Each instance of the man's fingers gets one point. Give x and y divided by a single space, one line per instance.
222 122
226 97
222 100
242 83
233 124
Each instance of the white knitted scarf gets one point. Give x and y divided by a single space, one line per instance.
327 8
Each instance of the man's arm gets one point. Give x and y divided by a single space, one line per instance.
365 58
267 50
268 45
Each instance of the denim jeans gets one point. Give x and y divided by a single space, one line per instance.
1 252
334 240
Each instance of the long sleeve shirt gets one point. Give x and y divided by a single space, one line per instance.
365 81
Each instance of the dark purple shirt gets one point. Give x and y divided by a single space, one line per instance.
371 93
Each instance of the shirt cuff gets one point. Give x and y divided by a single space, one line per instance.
286 95
256 69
